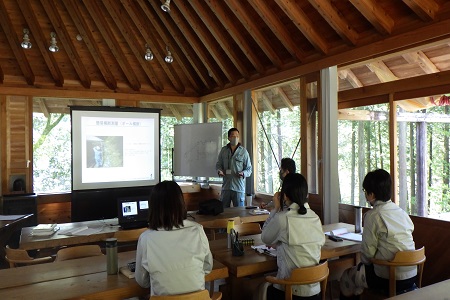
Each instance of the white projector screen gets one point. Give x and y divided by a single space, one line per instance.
114 147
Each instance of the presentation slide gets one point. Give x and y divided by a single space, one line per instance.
114 148
129 209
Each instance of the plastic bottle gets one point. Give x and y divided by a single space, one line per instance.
111 256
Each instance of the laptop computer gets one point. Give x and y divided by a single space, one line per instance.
132 212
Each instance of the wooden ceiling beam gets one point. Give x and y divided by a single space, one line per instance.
425 9
138 48
188 62
284 98
194 43
422 60
2 75
278 28
107 34
175 112
36 32
255 31
375 14
301 20
267 103
206 16
44 108
195 22
350 77
86 34
336 21
235 34
223 105
52 9
14 43
215 112
382 71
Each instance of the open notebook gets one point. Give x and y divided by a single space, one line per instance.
345 234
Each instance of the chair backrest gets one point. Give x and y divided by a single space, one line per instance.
17 257
199 295
78 252
403 258
213 225
247 228
302 276
130 235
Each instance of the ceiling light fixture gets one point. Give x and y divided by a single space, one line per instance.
148 53
26 44
166 6
53 47
169 57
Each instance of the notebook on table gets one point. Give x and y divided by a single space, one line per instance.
132 212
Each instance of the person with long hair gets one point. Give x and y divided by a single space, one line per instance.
173 255
296 232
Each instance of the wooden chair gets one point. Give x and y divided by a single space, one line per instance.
213 226
247 228
302 276
18 257
130 235
200 295
78 252
403 258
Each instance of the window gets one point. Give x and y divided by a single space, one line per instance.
278 136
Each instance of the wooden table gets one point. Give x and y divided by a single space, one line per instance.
109 226
342 255
72 279
7 228
437 291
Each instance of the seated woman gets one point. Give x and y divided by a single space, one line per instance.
297 234
173 256
387 230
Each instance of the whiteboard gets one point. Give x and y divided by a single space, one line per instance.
196 149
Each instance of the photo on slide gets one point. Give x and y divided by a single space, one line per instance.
104 151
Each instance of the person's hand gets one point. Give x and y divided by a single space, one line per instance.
241 174
277 201
262 205
220 173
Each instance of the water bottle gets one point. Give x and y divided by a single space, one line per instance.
230 225
111 256
358 219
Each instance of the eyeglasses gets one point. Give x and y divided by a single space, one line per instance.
364 191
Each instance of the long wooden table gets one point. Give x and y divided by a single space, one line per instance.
341 255
7 229
108 227
84 278
437 291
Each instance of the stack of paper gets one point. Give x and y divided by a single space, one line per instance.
259 212
44 229
126 271
263 249
82 230
345 234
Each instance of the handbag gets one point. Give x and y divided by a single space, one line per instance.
210 207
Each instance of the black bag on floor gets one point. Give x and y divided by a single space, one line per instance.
210 207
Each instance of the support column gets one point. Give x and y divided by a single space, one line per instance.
200 112
329 145
249 138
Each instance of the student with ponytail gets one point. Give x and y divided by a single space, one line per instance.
296 232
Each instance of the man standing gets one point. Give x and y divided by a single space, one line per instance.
234 166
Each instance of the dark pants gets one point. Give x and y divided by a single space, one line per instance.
276 294
378 283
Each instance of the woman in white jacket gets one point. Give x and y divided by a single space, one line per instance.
173 256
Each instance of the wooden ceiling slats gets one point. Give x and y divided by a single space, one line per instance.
206 38
33 24
235 34
194 42
51 8
375 14
137 47
252 28
112 43
208 18
189 65
14 43
300 19
278 28
88 39
422 60
383 73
